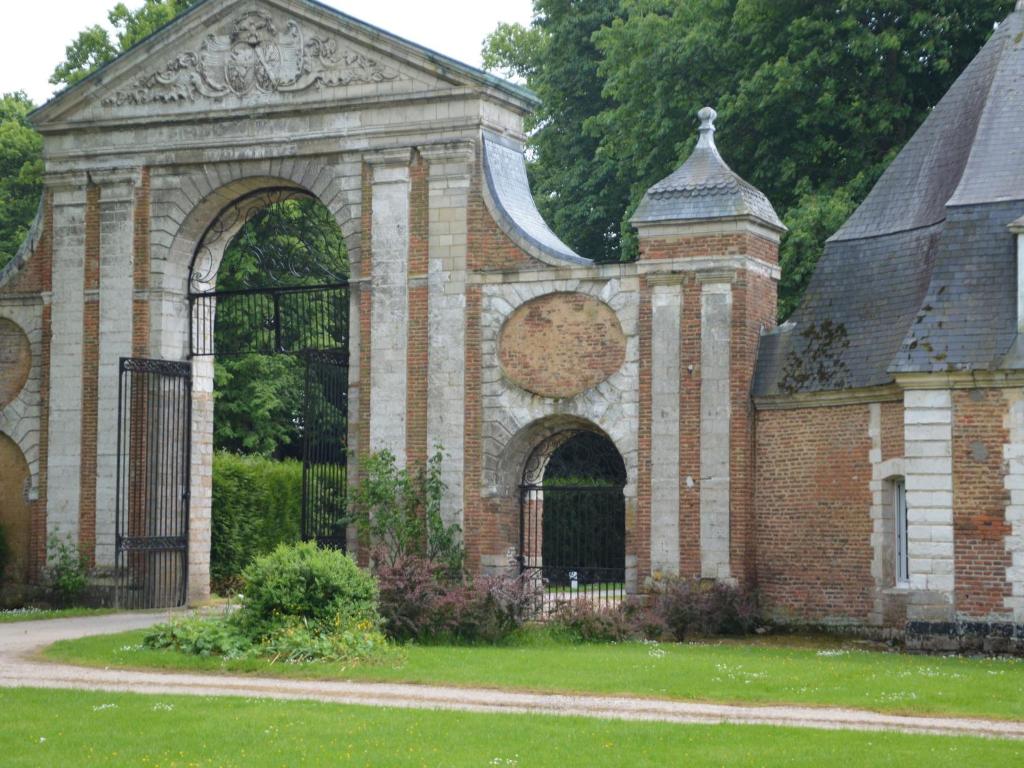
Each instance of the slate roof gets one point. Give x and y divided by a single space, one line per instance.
517 214
922 277
703 188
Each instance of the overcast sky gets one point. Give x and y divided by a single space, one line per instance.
37 31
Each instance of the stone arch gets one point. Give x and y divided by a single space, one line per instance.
16 510
185 207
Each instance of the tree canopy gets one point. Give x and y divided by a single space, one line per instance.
814 100
21 173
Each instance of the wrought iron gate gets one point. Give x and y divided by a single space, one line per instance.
572 523
324 456
153 469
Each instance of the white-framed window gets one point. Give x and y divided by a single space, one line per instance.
899 504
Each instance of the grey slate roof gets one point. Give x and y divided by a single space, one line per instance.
703 188
922 277
516 211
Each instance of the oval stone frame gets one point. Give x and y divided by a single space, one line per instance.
561 344
15 361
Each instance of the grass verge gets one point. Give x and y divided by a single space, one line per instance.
104 729
34 614
733 672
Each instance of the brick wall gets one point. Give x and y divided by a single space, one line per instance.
709 246
561 344
141 266
488 247
476 522
979 502
754 310
689 430
813 501
892 430
416 447
638 535
90 378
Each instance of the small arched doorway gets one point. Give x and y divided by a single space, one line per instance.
572 529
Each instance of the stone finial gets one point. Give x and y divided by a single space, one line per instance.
707 126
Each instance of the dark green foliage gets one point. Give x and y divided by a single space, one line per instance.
301 604
259 398
257 504
303 583
579 189
400 511
21 173
814 100
67 572
94 47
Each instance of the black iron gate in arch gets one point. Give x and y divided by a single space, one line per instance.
572 525
151 514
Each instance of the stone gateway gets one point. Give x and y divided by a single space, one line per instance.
862 464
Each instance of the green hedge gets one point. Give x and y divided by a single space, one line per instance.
257 504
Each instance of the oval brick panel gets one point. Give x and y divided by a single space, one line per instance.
15 361
561 344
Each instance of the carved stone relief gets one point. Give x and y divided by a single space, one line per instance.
255 54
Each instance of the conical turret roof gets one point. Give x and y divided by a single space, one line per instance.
705 188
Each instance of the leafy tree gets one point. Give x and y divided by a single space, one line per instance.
94 47
259 398
814 99
21 173
578 188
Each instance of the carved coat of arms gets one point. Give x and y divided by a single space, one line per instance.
254 55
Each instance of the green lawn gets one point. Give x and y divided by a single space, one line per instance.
34 614
104 729
723 672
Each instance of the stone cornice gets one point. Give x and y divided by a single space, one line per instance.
829 399
665 230
961 380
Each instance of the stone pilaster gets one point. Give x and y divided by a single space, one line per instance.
115 341
666 310
389 316
928 439
450 171
68 315
715 417
1013 453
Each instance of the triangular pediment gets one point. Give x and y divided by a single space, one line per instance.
226 55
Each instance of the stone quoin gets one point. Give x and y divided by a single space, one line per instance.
861 464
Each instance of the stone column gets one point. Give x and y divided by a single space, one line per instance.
65 422
450 169
666 309
389 317
715 420
928 440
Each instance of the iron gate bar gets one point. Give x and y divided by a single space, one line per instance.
297 309
324 455
151 519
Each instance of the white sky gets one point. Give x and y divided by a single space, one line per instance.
37 31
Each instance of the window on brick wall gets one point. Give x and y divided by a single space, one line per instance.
899 504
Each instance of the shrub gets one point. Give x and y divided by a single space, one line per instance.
200 637
257 504
582 621
419 602
67 573
691 607
301 604
400 513
322 587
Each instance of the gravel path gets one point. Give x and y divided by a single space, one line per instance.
19 641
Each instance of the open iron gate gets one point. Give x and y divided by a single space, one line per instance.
324 454
153 469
